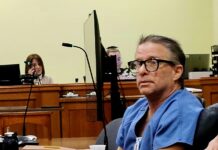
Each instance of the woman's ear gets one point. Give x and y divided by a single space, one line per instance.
178 72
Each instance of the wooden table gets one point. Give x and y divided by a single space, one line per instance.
77 117
77 143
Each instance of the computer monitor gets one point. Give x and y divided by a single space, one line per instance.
101 66
196 62
10 74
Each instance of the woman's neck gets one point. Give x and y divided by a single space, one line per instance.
155 102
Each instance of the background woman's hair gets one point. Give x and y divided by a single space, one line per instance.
30 59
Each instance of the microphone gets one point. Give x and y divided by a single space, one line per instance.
25 113
95 88
87 58
28 63
67 44
84 79
29 78
23 140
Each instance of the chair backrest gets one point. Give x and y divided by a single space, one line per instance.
111 130
207 127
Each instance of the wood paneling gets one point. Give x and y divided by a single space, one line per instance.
37 123
210 90
76 116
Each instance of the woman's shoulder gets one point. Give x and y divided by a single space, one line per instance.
47 80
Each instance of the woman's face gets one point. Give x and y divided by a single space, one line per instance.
36 67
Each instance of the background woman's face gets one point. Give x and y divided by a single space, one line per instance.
36 67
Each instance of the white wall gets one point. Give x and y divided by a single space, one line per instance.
215 19
40 26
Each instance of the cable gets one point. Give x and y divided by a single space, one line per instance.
27 104
25 113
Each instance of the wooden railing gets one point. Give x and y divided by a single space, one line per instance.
76 116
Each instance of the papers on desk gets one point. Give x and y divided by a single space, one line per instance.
36 147
70 94
194 90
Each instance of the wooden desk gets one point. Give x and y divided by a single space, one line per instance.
210 90
41 96
194 83
78 117
77 143
40 122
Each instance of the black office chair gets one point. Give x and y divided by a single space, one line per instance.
112 129
207 127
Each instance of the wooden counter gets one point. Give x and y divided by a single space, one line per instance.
76 119
210 90
76 116
41 96
46 96
75 143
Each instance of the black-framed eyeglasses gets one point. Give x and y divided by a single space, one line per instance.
151 65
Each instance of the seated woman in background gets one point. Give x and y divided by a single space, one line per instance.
114 51
35 68
123 73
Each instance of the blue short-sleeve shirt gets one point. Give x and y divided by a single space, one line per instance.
173 122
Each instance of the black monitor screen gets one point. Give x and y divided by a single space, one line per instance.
10 74
92 44
100 63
